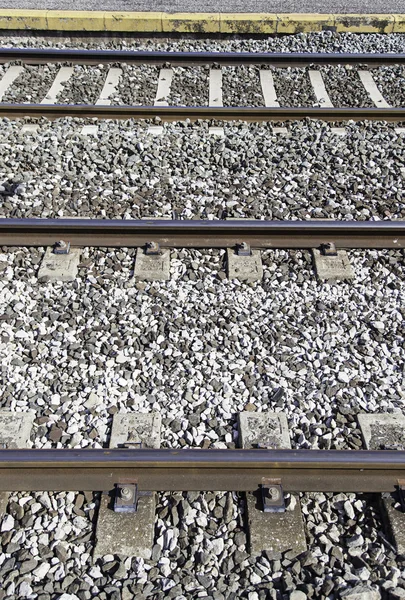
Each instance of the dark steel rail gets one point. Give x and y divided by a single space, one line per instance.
277 59
202 234
181 113
201 470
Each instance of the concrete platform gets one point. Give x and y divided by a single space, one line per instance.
360 592
136 428
15 432
226 6
274 533
129 534
183 16
59 267
15 428
384 432
149 267
244 268
332 268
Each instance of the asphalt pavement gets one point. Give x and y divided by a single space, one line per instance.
254 6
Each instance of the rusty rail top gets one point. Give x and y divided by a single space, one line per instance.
194 113
201 470
202 233
277 59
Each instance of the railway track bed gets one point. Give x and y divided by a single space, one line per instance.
313 401
255 86
200 349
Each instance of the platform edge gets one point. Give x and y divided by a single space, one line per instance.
225 23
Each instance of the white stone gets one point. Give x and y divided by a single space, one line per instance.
25 589
35 507
95 572
217 546
298 595
92 400
255 578
349 509
7 523
80 522
41 570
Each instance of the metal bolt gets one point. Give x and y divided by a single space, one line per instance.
328 249
274 493
61 247
243 249
152 248
126 493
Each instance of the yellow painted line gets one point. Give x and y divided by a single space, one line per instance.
23 19
248 23
62 20
140 22
190 23
304 23
161 22
377 23
399 23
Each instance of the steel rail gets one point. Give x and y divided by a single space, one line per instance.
202 233
181 113
201 470
277 59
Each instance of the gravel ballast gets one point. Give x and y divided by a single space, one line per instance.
391 82
190 87
252 172
84 86
241 86
31 85
203 349
137 85
199 348
344 86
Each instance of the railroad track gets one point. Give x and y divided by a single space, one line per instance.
202 470
123 348
202 233
265 80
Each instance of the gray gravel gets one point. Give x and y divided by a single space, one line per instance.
344 86
199 348
204 348
190 87
293 87
325 41
241 86
137 85
252 172
31 85
84 86
391 82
